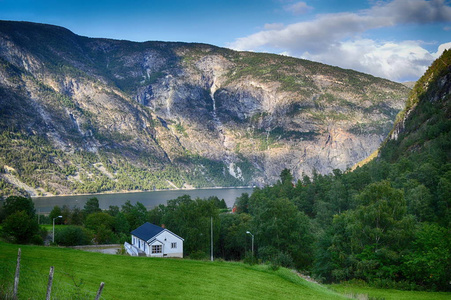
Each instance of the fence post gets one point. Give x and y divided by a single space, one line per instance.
49 285
16 276
99 292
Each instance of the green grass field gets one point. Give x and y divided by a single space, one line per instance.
388 294
78 275
144 278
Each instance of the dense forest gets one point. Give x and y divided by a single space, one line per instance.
386 223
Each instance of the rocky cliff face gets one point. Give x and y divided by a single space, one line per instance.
112 115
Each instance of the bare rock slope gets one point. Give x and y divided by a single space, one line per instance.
98 114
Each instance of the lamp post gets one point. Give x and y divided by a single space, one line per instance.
53 236
248 232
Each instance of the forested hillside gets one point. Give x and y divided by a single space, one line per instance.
388 222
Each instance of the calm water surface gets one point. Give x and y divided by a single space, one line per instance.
44 205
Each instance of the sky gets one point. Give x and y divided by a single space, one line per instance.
393 39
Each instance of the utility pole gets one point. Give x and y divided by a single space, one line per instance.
211 221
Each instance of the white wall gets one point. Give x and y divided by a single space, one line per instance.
167 238
138 243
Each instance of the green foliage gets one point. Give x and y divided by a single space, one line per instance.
428 83
135 215
72 236
242 203
234 243
15 204
55 213
91 206
19 222
286 177
95 221
21 228
121 224
369 241
429 260
278 224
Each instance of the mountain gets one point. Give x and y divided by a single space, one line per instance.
427 112
387 222
82 114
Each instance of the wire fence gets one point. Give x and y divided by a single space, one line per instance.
33 284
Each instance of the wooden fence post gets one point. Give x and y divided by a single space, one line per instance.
49 285
99 292
16 276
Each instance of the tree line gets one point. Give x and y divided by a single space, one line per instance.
336 227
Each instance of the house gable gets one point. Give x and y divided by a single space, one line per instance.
165 232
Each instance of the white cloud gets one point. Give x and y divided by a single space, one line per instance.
274 26
401 61
442 48
298 8
337 38
308 35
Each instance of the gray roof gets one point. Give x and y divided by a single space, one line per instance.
147 231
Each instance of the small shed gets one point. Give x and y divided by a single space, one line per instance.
154 241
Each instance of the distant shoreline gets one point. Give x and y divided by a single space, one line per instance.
146 191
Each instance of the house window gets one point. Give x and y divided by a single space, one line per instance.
156 249
173 245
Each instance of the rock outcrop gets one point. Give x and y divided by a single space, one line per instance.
190 114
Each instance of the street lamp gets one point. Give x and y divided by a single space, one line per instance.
53 237
248 232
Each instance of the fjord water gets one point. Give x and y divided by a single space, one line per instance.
44 205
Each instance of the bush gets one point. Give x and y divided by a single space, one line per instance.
283 259
249 258
37 240
276 257
20 227
104 235
72 236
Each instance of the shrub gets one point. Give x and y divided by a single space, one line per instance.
249 258
20 227
72 236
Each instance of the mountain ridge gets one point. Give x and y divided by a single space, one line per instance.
188 113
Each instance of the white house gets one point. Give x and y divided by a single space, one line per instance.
154 241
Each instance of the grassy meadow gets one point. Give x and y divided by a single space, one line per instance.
78 275
387 294
140 277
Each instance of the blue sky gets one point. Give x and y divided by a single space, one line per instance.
394 39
